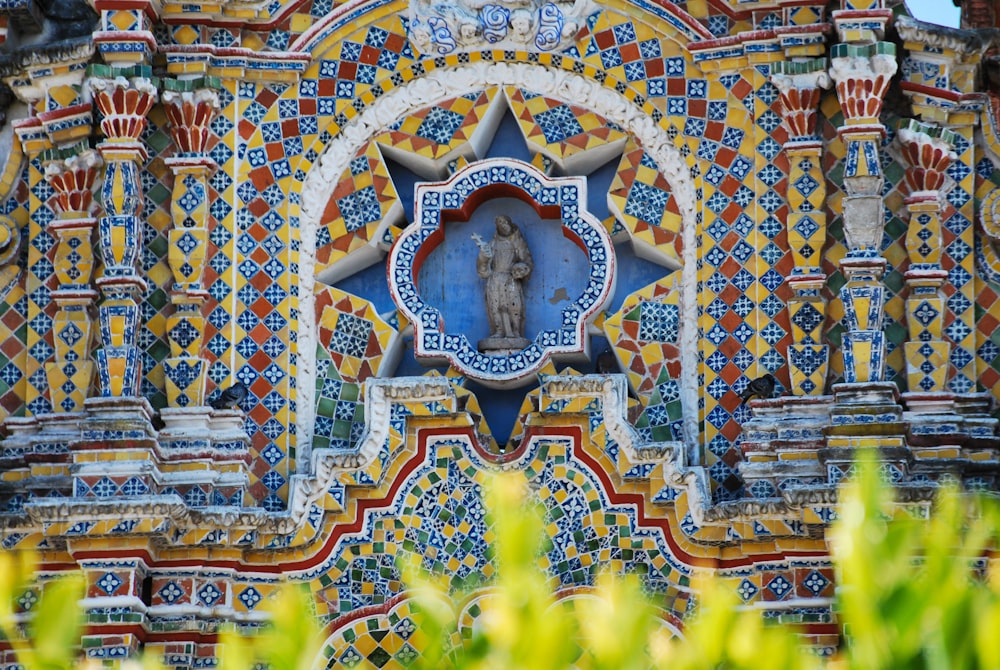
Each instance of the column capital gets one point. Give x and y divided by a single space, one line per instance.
862 74
928 150
124 98
73 178
190 106
800 84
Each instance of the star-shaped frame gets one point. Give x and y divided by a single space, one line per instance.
456 199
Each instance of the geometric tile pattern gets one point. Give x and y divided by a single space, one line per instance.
363 204
272 129
560 130
354 336
640 197
744 260
893 250
277 131
439 518
760 213
645 335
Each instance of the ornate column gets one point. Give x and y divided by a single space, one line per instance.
939 74
800 85
865 412
59 125
118 418
190 105
928 151
72 177
124 98
862 75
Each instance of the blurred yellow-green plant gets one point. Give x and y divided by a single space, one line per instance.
49 639
290 641
613 627
913 592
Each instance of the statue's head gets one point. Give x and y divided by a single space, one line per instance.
504 225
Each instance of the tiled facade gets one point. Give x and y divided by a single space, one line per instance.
283 196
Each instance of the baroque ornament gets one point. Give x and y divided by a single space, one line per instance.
438 28
456 199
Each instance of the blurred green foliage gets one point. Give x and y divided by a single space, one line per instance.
48 639
912 592
291 641
915 592
615 627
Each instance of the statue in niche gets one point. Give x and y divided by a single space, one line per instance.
505 263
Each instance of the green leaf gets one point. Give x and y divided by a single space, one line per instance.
58 622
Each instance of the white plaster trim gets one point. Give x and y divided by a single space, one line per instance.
848 68
380 396
100 602
611 391
445 83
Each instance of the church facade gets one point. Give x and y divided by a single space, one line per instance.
285 281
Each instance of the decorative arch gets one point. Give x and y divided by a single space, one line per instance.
442 84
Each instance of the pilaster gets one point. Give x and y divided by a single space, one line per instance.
38 282
124 98
73 178
939 74
191 106
862 75
54 139
928 152
800 84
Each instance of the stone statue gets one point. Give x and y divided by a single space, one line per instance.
505 263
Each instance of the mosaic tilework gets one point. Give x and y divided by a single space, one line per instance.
264 229
439 517
275 145
272 134
438 131
220 271
13 308
645 333
640 197
988 292
959 240
39 282
157 184
366 193
560 130
743 265
389 640
893 250
632 52
353 333
280 135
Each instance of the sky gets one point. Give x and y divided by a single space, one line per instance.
941 12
